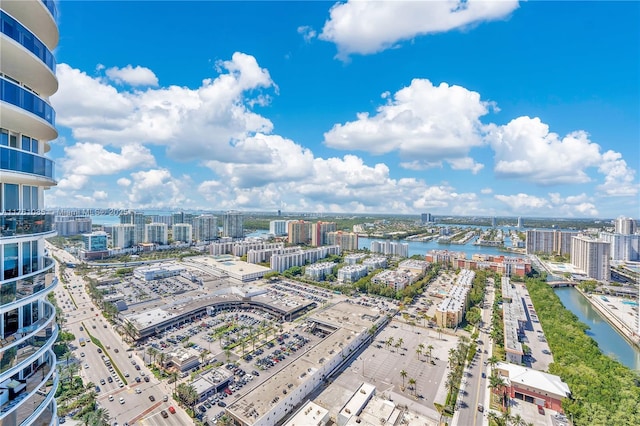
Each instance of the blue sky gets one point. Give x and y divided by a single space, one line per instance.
475 108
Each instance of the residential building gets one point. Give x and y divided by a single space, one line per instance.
549 241
156 233
451 310
72 225
352 273
375 262
520 222
138 220
348 241
233 224
299 232
278 227
318 271
182 232
123 236
205 228
353 258
624 247
592 257
182 217
28 330
282 262
390 248
320 231
426 218
625 226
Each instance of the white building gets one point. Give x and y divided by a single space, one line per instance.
353 258
205 228
123 235
592 257
625 226
278 227
156 233
28 329
352 273
318 271
375 262
182 232
282 262
233 224
390 248
623 246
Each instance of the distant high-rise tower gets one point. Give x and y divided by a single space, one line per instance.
28 327
138 220
278 227
157 233
182 232
319 232
625 226
205 227
123 235
520 222
233 224
426 218
592 257
493 222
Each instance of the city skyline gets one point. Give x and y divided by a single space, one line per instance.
482 111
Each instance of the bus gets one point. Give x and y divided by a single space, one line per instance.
82 341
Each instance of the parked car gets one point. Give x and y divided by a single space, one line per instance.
172 410
164 414
152 398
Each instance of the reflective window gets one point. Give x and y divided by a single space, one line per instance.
26 38
11 197
25 162
26 257
10 261
18 96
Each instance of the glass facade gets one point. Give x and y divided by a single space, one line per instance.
26 38
25 162
28 330
29 101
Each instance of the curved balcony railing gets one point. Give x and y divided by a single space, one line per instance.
13 225
29 101
33 394
29 286
51 6
27 39
14 358
15 160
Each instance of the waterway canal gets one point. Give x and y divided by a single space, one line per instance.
609 340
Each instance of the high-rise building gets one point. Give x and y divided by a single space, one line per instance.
625 226
278 227
205 228
156 233
123 235
72 225
520 222
182 217
28 330
182 232
319 232
233 225
493 222
592 257
426 218
348 241
299 232
138 220
549 241
623 246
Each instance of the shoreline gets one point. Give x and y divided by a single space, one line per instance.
623 329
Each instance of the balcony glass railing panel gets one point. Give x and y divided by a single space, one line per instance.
12 225
29 101
30 396
22 288
12 356
15 30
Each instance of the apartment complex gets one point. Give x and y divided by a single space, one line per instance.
233 224
72 225
509 266
549 241
625 226
156 233
348 241
28 378
138 220
182 232
123 236
278 228
205 228
282 262
592 257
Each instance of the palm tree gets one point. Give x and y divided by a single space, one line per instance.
430 348
400 342
497 383
493 361
389 342
403 374
419 352
412 384
163 358
173 377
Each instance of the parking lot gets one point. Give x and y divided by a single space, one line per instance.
540 356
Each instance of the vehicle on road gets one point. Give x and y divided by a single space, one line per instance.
164 414
480 408
152 398
121 400
172 410
110 397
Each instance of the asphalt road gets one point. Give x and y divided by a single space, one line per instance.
474 387
137 407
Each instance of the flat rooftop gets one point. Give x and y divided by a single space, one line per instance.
231 265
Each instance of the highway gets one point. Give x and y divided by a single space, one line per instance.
82 318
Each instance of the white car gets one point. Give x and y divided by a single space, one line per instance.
138 390
121 400
110 397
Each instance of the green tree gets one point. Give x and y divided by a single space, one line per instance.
403 374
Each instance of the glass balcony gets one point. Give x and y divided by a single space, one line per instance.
51 6
25 224
27 39
32 347
25 287
29 101
26 399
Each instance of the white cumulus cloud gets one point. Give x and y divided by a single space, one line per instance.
366 27
422 122
133 76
